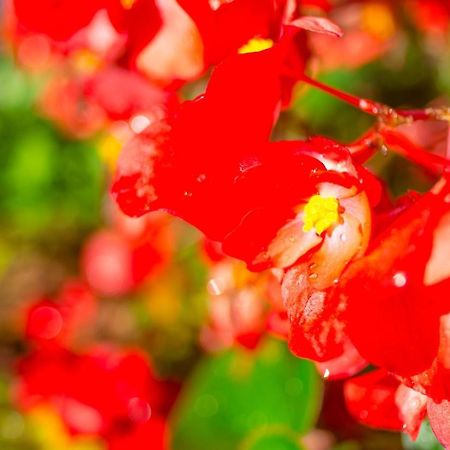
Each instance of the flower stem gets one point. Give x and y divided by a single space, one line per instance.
384 112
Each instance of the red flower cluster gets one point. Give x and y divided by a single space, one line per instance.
101 391
119 259
363 279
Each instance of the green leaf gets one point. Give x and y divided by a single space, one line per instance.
272 438
235 393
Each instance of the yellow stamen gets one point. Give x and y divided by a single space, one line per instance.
256 45
127 4
320 213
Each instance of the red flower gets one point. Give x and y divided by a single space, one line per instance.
51 322
123 94
270 204
117 261
242 306
106 392
397 293
212 164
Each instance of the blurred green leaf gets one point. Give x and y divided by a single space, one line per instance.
272 438
234 393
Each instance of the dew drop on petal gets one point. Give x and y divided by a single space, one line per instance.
313 276
187 194
201 178
447 198
139 411
399 279
326 374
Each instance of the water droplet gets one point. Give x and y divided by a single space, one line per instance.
363 104
336 281
384 150
399 279
139 411
313 276
187 194
326 373
312 266
447 198
201 178
343 237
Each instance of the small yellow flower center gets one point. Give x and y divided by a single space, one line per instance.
127 4
320 213
256 45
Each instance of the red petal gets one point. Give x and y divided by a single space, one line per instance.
59 20
320 25
393 319
370 399
413 407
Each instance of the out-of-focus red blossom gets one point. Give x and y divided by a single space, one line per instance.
137 20
84 104
56 321
118 260
432 16
103 391
62 101
123 94
242 306
404 283
369 31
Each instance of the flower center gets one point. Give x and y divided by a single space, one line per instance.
320 213
256 44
